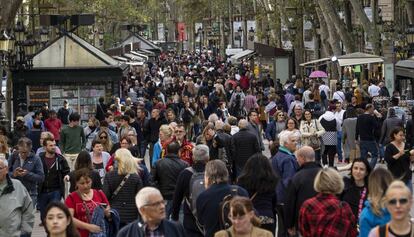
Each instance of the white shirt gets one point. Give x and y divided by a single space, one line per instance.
339 96
324 88
339 116
374 90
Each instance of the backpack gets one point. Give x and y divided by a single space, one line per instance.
186 116
224 210
323 95
195 188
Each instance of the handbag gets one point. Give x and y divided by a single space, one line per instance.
314 141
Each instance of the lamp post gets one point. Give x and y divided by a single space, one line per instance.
44 36
200 35
239 35
410 40
251 34
268 35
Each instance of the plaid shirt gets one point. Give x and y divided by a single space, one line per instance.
159 232
325 215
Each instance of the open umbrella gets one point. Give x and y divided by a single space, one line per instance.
318 74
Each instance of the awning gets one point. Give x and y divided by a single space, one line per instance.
358 59
140 55
241 55
314 61
405 68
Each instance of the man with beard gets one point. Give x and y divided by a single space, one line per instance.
55 168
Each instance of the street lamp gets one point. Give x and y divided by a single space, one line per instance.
44 35
268 35
410 40
200 35
19 31
239 36
4 41
251 34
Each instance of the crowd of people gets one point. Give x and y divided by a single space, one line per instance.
200 147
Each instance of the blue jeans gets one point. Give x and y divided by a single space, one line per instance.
168 208
46 198
339 145
369 146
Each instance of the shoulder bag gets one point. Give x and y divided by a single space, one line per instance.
120 186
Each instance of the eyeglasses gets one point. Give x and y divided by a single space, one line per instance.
156 204
281 115
103 137
394 201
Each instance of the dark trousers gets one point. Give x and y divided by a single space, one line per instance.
329 153
372 147
142 148
45 198
281 230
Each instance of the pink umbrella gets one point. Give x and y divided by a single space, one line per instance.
318 74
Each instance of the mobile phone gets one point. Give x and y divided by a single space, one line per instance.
104 205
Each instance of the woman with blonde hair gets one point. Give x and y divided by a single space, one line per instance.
373 213
121 186
244 220
165 138
325 214
398 201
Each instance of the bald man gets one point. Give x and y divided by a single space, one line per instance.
300 187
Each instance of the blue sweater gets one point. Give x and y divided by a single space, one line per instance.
368 220
285 165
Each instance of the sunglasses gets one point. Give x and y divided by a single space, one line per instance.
394 201
103 137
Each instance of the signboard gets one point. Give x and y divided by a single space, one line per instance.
238 38
389 76
160 30
181 31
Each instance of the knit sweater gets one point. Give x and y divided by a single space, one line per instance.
72 140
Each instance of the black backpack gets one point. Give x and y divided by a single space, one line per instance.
195 188
224 210
187 116
323 95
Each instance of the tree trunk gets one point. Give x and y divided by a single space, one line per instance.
369 27
222 39
8 11
328 8
348 15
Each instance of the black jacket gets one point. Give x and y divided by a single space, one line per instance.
153 129
208 205
136 229
182 191
124 201
243 145
165 174
62 168
299 190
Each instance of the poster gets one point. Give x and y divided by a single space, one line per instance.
389 76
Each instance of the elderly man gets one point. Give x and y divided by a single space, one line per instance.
243 145
186 184
151 206
26 167
301 187
216 181
285 165
17 215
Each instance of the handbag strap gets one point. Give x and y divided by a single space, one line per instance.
120 186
